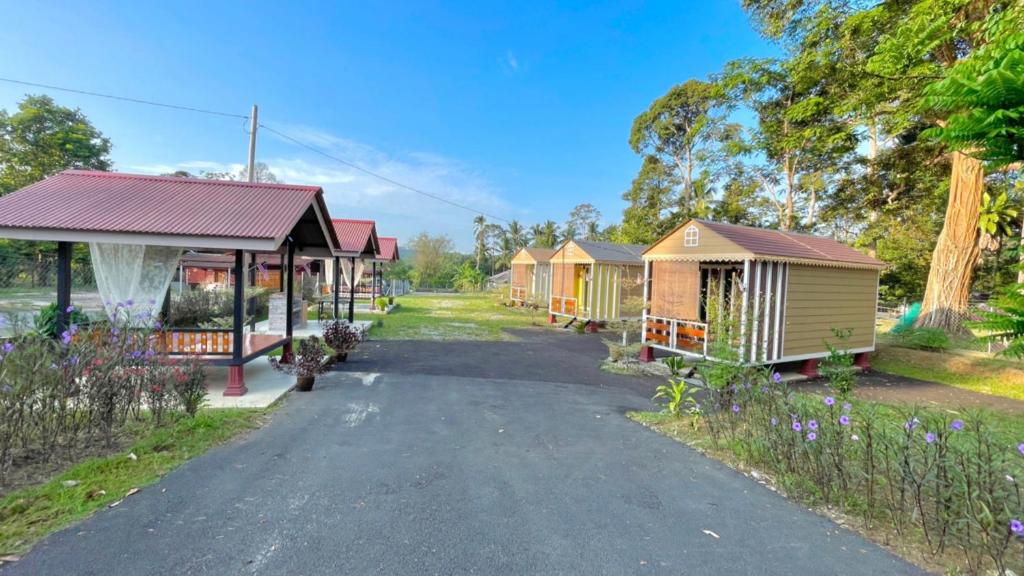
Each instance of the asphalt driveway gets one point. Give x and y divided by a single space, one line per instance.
459 458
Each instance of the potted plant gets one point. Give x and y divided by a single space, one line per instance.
342 338
305 367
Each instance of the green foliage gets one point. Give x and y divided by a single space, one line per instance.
675 365
310 360
838 365
46 322
618 352
469 279
932 339
677 396
42 138
1006 321
381 303
997 215
432 260
650 199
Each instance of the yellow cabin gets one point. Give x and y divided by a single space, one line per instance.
531 276
780 295
596 281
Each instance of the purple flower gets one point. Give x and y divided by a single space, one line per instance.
65 337
956 425
736 410
777 378
813 424
797 426
8 347
911 424
811 436
152 301
150 354
844 420
158 325
746 385
73 360
847 406
69 309
775 421
1016 527
764 389
929 437
829 401
129 303
1020 448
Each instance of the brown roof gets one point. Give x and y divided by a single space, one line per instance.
787 245
356 237
111 202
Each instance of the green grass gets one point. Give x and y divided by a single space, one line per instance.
29 514
996 376
451 317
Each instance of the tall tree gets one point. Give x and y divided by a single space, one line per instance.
432 259
518 235
649 212
42 138
582 216
262 174
480 246
546 235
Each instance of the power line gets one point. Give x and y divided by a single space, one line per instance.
380 176
125 98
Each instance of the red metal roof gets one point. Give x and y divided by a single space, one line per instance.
779 243
82 200
388 248
356 236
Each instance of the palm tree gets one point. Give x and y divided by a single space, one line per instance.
480 233
548 235
569 232
536 235
517 235
593 231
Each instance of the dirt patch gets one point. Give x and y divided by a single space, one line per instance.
31 468
964 364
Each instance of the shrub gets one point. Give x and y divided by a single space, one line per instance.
675 365
342 337
189 382
46 322
1006 321
382 303
308 362
677 395
838 365
933 339
617 352
580 326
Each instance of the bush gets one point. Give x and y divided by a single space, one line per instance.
945 480
838 365
933 339
309 362
617 352
1006 321
381 303
342 337
46 322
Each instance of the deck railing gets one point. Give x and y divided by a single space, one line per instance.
563 305
204 341
518 293
687 336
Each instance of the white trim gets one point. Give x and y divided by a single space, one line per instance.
757 311
745 294
776 350
796 357
740 256
214 242
767 309
691 242
874 317
785 314
643 310
590 289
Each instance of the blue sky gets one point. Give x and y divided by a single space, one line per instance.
520 109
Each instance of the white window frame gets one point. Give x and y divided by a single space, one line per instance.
691 240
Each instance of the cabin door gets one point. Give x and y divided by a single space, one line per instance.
581 289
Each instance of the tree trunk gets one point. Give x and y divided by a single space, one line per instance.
873 213
956 252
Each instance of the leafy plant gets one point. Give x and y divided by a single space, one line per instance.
933 339
618 352
678 397
675 365
46 322
189 382
308 362
838 365
580 326
342 337
1005 321
381 303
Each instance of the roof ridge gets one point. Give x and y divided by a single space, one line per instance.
207 181
786 234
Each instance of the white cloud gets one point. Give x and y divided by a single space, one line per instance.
351 193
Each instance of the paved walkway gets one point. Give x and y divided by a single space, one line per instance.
459 458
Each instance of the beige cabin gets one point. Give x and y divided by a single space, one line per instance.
531 276
780 295
596 281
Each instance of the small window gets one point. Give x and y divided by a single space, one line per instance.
570 250
690 236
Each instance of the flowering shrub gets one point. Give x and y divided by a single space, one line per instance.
309 362
59 394
950 481
342 337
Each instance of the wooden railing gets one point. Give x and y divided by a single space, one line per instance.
518 293
562 305
205 341
678 335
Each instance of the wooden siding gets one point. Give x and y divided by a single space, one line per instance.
709 243
675 289
519 274
562 280
570 252
819 299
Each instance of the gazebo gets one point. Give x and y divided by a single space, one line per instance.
358 243
387 253
138 227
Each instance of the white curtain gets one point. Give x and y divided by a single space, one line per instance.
133 279
347 272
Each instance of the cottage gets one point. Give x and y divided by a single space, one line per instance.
531 276
779 296
595 282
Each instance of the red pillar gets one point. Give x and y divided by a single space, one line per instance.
646 354
236 381
552 319
591 328
861 361
810 368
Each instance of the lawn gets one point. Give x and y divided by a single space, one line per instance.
997 376
478 316
29 514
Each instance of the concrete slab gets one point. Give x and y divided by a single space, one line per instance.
312 328
264 383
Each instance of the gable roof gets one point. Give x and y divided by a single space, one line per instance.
778 245
531 254
87 205
356 237
388 249
611 252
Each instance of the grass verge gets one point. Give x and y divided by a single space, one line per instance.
996 376
478 316
29 514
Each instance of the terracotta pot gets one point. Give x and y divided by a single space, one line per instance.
304 383
341 356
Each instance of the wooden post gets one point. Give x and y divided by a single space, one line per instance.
337 286
251 302
63 286
289 306
236 373
373 286
352 291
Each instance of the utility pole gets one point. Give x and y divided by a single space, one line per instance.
254 122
